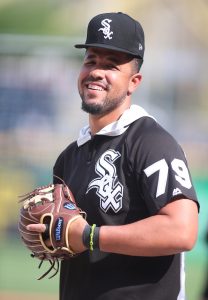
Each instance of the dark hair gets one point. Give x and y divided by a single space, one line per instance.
137 63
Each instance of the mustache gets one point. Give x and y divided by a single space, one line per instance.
92 79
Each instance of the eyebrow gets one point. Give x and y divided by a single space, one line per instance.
109 57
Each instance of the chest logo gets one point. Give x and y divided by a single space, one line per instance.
106 29
108 188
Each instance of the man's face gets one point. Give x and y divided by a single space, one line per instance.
104 80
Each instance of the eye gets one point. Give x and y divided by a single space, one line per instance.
89 62
111 66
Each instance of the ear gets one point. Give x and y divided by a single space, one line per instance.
134 82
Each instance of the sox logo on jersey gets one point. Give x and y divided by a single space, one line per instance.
108 188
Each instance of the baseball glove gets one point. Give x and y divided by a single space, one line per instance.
55 206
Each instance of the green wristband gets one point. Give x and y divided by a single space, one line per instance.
92 237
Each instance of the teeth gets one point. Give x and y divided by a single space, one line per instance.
95 87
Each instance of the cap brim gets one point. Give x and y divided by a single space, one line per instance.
105 46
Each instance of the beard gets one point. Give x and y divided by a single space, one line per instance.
106 106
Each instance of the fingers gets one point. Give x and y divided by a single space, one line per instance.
41 228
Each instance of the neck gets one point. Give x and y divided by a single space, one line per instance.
100 121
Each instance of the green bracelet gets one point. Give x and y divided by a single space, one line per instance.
92 236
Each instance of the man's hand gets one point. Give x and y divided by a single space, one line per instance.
74 234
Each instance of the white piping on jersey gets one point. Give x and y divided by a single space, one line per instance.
182 293
118 127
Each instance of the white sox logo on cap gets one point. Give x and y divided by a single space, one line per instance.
106 29
115 31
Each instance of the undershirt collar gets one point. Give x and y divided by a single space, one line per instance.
117 127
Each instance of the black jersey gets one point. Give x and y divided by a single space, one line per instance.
126 172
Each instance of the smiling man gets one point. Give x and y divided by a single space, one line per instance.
129 175
106 79
106 82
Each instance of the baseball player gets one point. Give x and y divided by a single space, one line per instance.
129 175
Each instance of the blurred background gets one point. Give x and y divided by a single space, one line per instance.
40 109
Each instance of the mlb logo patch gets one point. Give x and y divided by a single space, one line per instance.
69 206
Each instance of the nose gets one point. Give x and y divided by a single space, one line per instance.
97 73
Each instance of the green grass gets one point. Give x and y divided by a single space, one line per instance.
195 275
19 272
39 17
25 16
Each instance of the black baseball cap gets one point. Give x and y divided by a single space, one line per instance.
115 31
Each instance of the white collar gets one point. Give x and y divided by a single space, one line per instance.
118 127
